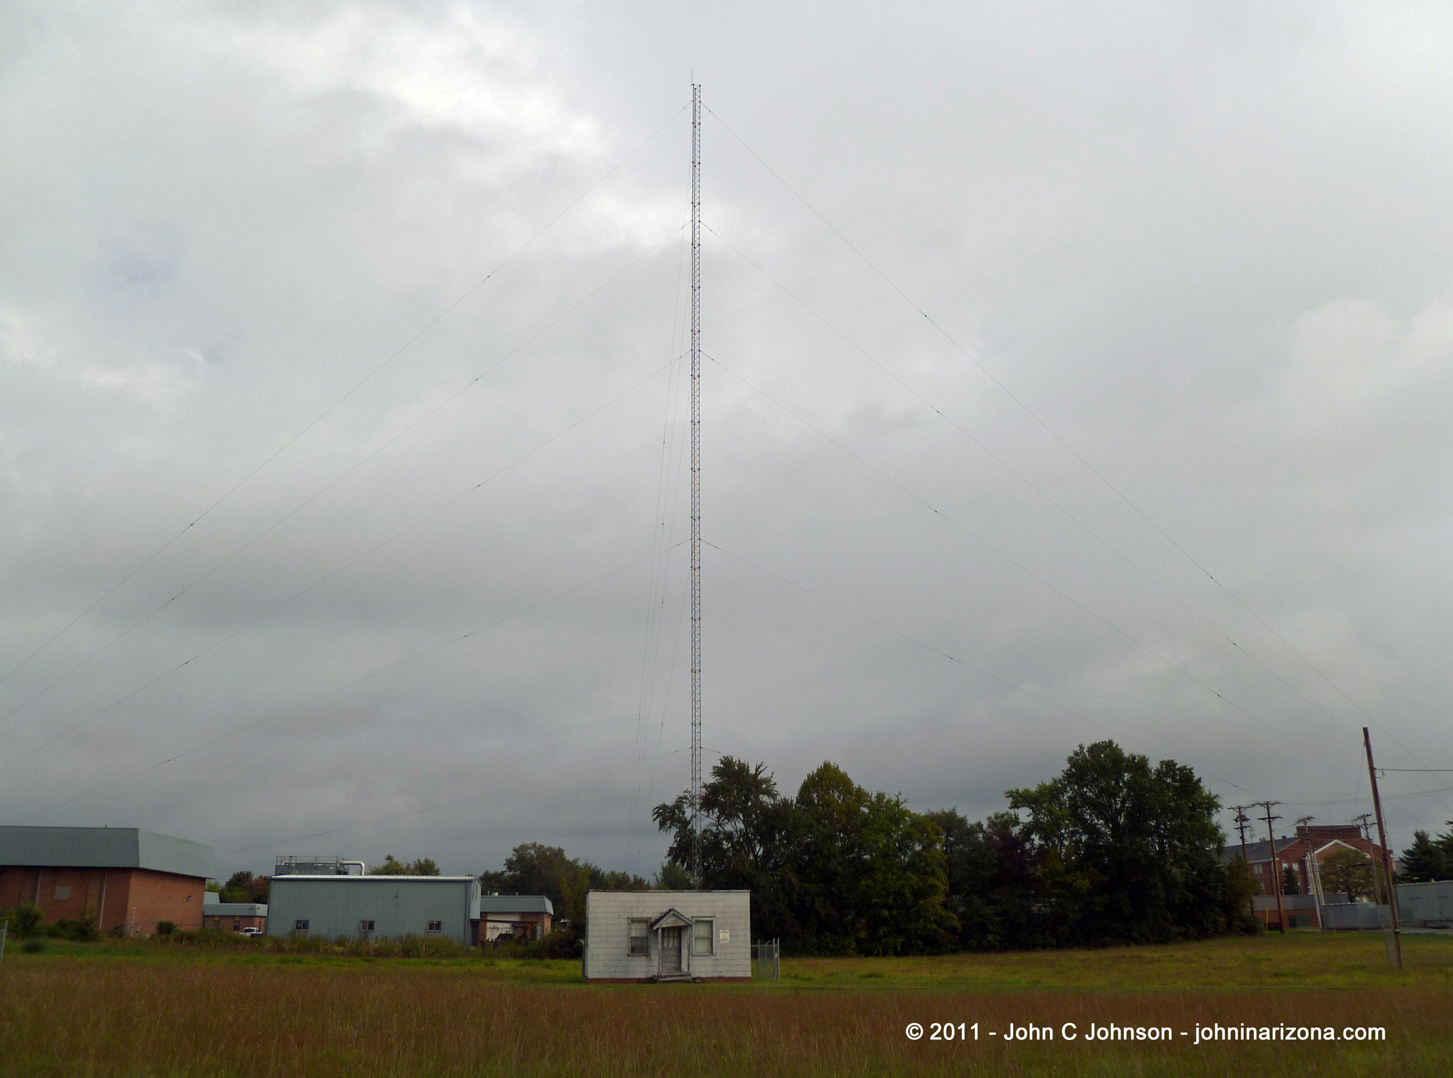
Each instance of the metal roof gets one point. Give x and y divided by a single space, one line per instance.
104 847
377 879
516 904
234 909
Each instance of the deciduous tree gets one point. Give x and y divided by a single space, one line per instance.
1347 872
1126 851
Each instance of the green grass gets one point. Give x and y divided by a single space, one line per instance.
148 1009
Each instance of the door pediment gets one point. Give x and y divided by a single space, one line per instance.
671 919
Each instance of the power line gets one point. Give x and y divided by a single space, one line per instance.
1050 430
939 651
655 610
334 406
319 493
1026 570
341 569
1424 770
340 688
1026 480
491 796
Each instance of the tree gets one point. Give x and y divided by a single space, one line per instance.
1125 851
1425 860
1291 883
674 877
245 887
533 868
747 839
1348 871
1241 886
835 870
990 874
25 920
902 881
391 866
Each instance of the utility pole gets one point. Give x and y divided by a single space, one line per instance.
1281 920
1392 897
1304 832
1242 821
1361 822
696 484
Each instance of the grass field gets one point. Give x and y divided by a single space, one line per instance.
148 1009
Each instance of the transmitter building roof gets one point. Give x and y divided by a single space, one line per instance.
235 909
104 847
516 904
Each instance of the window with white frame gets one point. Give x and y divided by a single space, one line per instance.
300 926
702 937
638 936
436 926
365 926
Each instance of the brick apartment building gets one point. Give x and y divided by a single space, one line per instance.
126 877
1311 843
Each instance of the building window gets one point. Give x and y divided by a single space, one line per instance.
365 926
300 926
639 937
62 891
236 923
436 926
702 937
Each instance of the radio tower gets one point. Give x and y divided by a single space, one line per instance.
696 484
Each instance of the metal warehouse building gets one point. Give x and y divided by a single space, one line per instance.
374 907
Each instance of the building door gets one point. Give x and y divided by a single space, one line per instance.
671 950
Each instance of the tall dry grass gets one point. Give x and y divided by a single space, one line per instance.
74 1018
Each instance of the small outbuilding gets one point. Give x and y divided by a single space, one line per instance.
233 916
514 916
668 936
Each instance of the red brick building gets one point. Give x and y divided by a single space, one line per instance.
1310 844
125 877
513 917
234 916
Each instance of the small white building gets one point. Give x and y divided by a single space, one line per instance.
668 936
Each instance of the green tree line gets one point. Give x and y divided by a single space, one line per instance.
1112 849
536 869
1428 859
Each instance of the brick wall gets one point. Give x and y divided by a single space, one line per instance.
119 896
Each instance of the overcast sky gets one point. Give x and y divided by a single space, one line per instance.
1075 371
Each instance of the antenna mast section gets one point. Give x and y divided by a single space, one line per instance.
696 484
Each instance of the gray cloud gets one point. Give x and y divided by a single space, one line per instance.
423 594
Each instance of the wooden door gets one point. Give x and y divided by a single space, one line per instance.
671 950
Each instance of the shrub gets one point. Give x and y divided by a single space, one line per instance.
83 929
552 945
25 920
213 938
34 946
165 928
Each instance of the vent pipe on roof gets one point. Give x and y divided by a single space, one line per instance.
362 868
